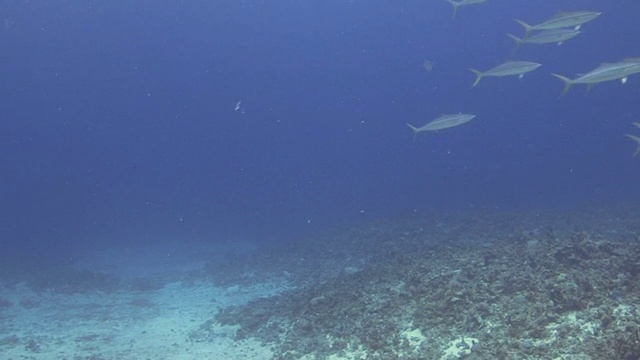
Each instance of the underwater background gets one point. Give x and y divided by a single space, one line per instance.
138 123
119 122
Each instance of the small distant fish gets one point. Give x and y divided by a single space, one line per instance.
557 36
509 68
239 108
604 72
442 122
428 65
637 140
8 23
561 20
457 4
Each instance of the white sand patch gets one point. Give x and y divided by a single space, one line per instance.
126 326
154 325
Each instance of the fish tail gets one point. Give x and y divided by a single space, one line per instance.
455 8
479 76
415 131
567 82
527 28
637 140
517 40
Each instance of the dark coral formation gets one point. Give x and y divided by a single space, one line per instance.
525 288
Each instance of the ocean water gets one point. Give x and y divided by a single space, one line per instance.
150 147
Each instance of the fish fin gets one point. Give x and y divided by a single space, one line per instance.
517 40
415 131
567 82
527 28
479 76
634 138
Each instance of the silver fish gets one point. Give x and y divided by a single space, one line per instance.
557 36
604 72
442 122
561 20
509 68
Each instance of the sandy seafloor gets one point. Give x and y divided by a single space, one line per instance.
157 296
472 286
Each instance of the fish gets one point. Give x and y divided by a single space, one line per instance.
637 140
428 65
557 36
604 72
457 4
509 68
442 122
561 20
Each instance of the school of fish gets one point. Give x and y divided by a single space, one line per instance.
557 29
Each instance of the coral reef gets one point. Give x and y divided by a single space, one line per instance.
496 286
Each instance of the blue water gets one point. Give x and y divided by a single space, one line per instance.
118 119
